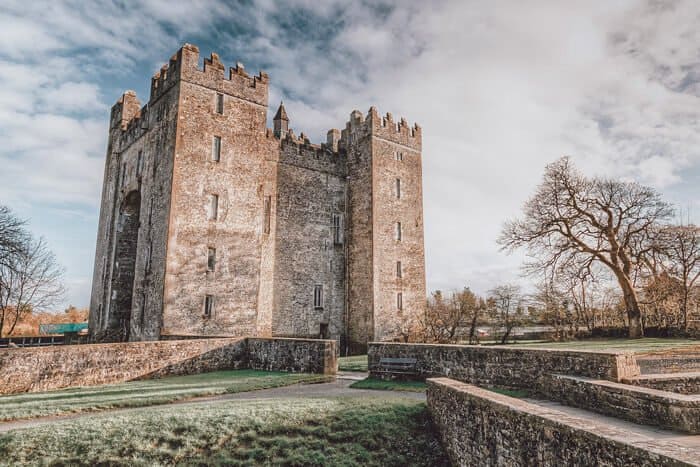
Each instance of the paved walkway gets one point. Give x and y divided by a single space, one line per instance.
338 388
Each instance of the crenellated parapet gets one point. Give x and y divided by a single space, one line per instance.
299 151
384 127
238 83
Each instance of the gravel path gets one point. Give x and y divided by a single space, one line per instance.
338 388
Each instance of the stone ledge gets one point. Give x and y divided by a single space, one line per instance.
480 427
682 383
634 403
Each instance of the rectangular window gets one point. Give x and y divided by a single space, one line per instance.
337 229
213 207
266 216
208 306
398 155
139 164
398 231
399 272
399 301
398 188
216 149
211 259
318 296
219 103
123 180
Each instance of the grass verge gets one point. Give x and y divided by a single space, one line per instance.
354 363
392 385
348 432
144 393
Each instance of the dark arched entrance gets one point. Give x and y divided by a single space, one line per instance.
124 267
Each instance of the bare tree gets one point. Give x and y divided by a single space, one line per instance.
447 318
13 236
31 281
506 306
581 221
679 250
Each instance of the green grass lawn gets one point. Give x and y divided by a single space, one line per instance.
392 385
144 393
354 363
633 345
348 432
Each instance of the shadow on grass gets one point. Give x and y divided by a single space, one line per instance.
390 385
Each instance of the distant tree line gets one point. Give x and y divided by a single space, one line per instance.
30 277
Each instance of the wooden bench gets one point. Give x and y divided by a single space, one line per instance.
399 366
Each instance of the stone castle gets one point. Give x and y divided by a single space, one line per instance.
212 224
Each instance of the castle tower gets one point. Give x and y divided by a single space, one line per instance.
280 122
386 259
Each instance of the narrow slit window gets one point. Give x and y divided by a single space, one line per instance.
399 301
139 164
216 149
266 218
213 207
318 296
211 259
398 188
219 103
208 306
337 229
398 155
398 231
123 180
399 271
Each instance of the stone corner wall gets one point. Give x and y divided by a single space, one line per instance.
479 427
43 368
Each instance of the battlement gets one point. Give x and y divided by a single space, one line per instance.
399 132
299 151
212 75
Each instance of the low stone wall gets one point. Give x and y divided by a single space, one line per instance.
295 355
677 360
681 383
481 428
511 366
43 368
637 404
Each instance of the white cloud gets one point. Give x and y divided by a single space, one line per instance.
500 89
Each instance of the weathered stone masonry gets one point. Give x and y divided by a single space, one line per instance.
212 224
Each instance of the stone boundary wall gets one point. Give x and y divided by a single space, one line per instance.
295 355
511 366
478 427
43 368
682 383
637 404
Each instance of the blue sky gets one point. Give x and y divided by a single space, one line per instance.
500 88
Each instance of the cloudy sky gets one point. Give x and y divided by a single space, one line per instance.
500 88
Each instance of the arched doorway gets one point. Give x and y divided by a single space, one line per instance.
124 267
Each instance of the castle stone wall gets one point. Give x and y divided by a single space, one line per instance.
310 191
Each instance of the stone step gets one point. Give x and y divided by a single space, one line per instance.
681 383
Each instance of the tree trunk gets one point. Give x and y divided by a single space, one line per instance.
634 314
